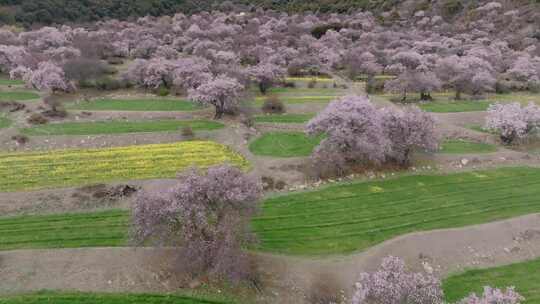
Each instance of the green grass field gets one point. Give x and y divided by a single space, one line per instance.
4 122
119 127
455 106
524 276
284 144
350 217
335 220
478 128
134 105
298 99
284 118
66 168
301 95
457 146
97 229
6 81
18 96
48 297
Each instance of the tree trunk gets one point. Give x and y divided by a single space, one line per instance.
263 87
458 94
219 113
425 96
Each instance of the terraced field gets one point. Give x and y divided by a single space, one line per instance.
64 168
155 104
463 147
119 127
524 276
104 298
284 118
456 106
302 95
17 96
284 144
6 81
338 219
98 229
351 217
4 122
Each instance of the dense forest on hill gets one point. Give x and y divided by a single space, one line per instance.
63 11
44 12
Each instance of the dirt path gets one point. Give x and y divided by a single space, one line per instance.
287 278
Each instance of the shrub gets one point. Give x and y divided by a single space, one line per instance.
272 105
502 87
451 8
289 84
320 30
110 84
312 83
37 119
115 61
20 139
374 86
162 91
187 132
56 110
208 214
325 290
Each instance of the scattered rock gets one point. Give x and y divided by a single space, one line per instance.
20 139
464 161
195 284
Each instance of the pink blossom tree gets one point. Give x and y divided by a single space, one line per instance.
408 130
494 296
222 92
62 54
265 73
354 132
191 72
393 284
469 74
512 121
414 75
207 216
12 57
48 77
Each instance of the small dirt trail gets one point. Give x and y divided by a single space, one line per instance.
285 278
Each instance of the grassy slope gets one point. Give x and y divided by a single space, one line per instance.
464 147
524 276
301 95
350 217
337 219
18 96
284 144
455 106
134 105
118 127
6 81
64 168
109 228
4 122
103 298
284 118
444 103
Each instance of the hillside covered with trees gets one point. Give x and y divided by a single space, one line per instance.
27 12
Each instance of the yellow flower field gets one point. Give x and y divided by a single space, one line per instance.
65 168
